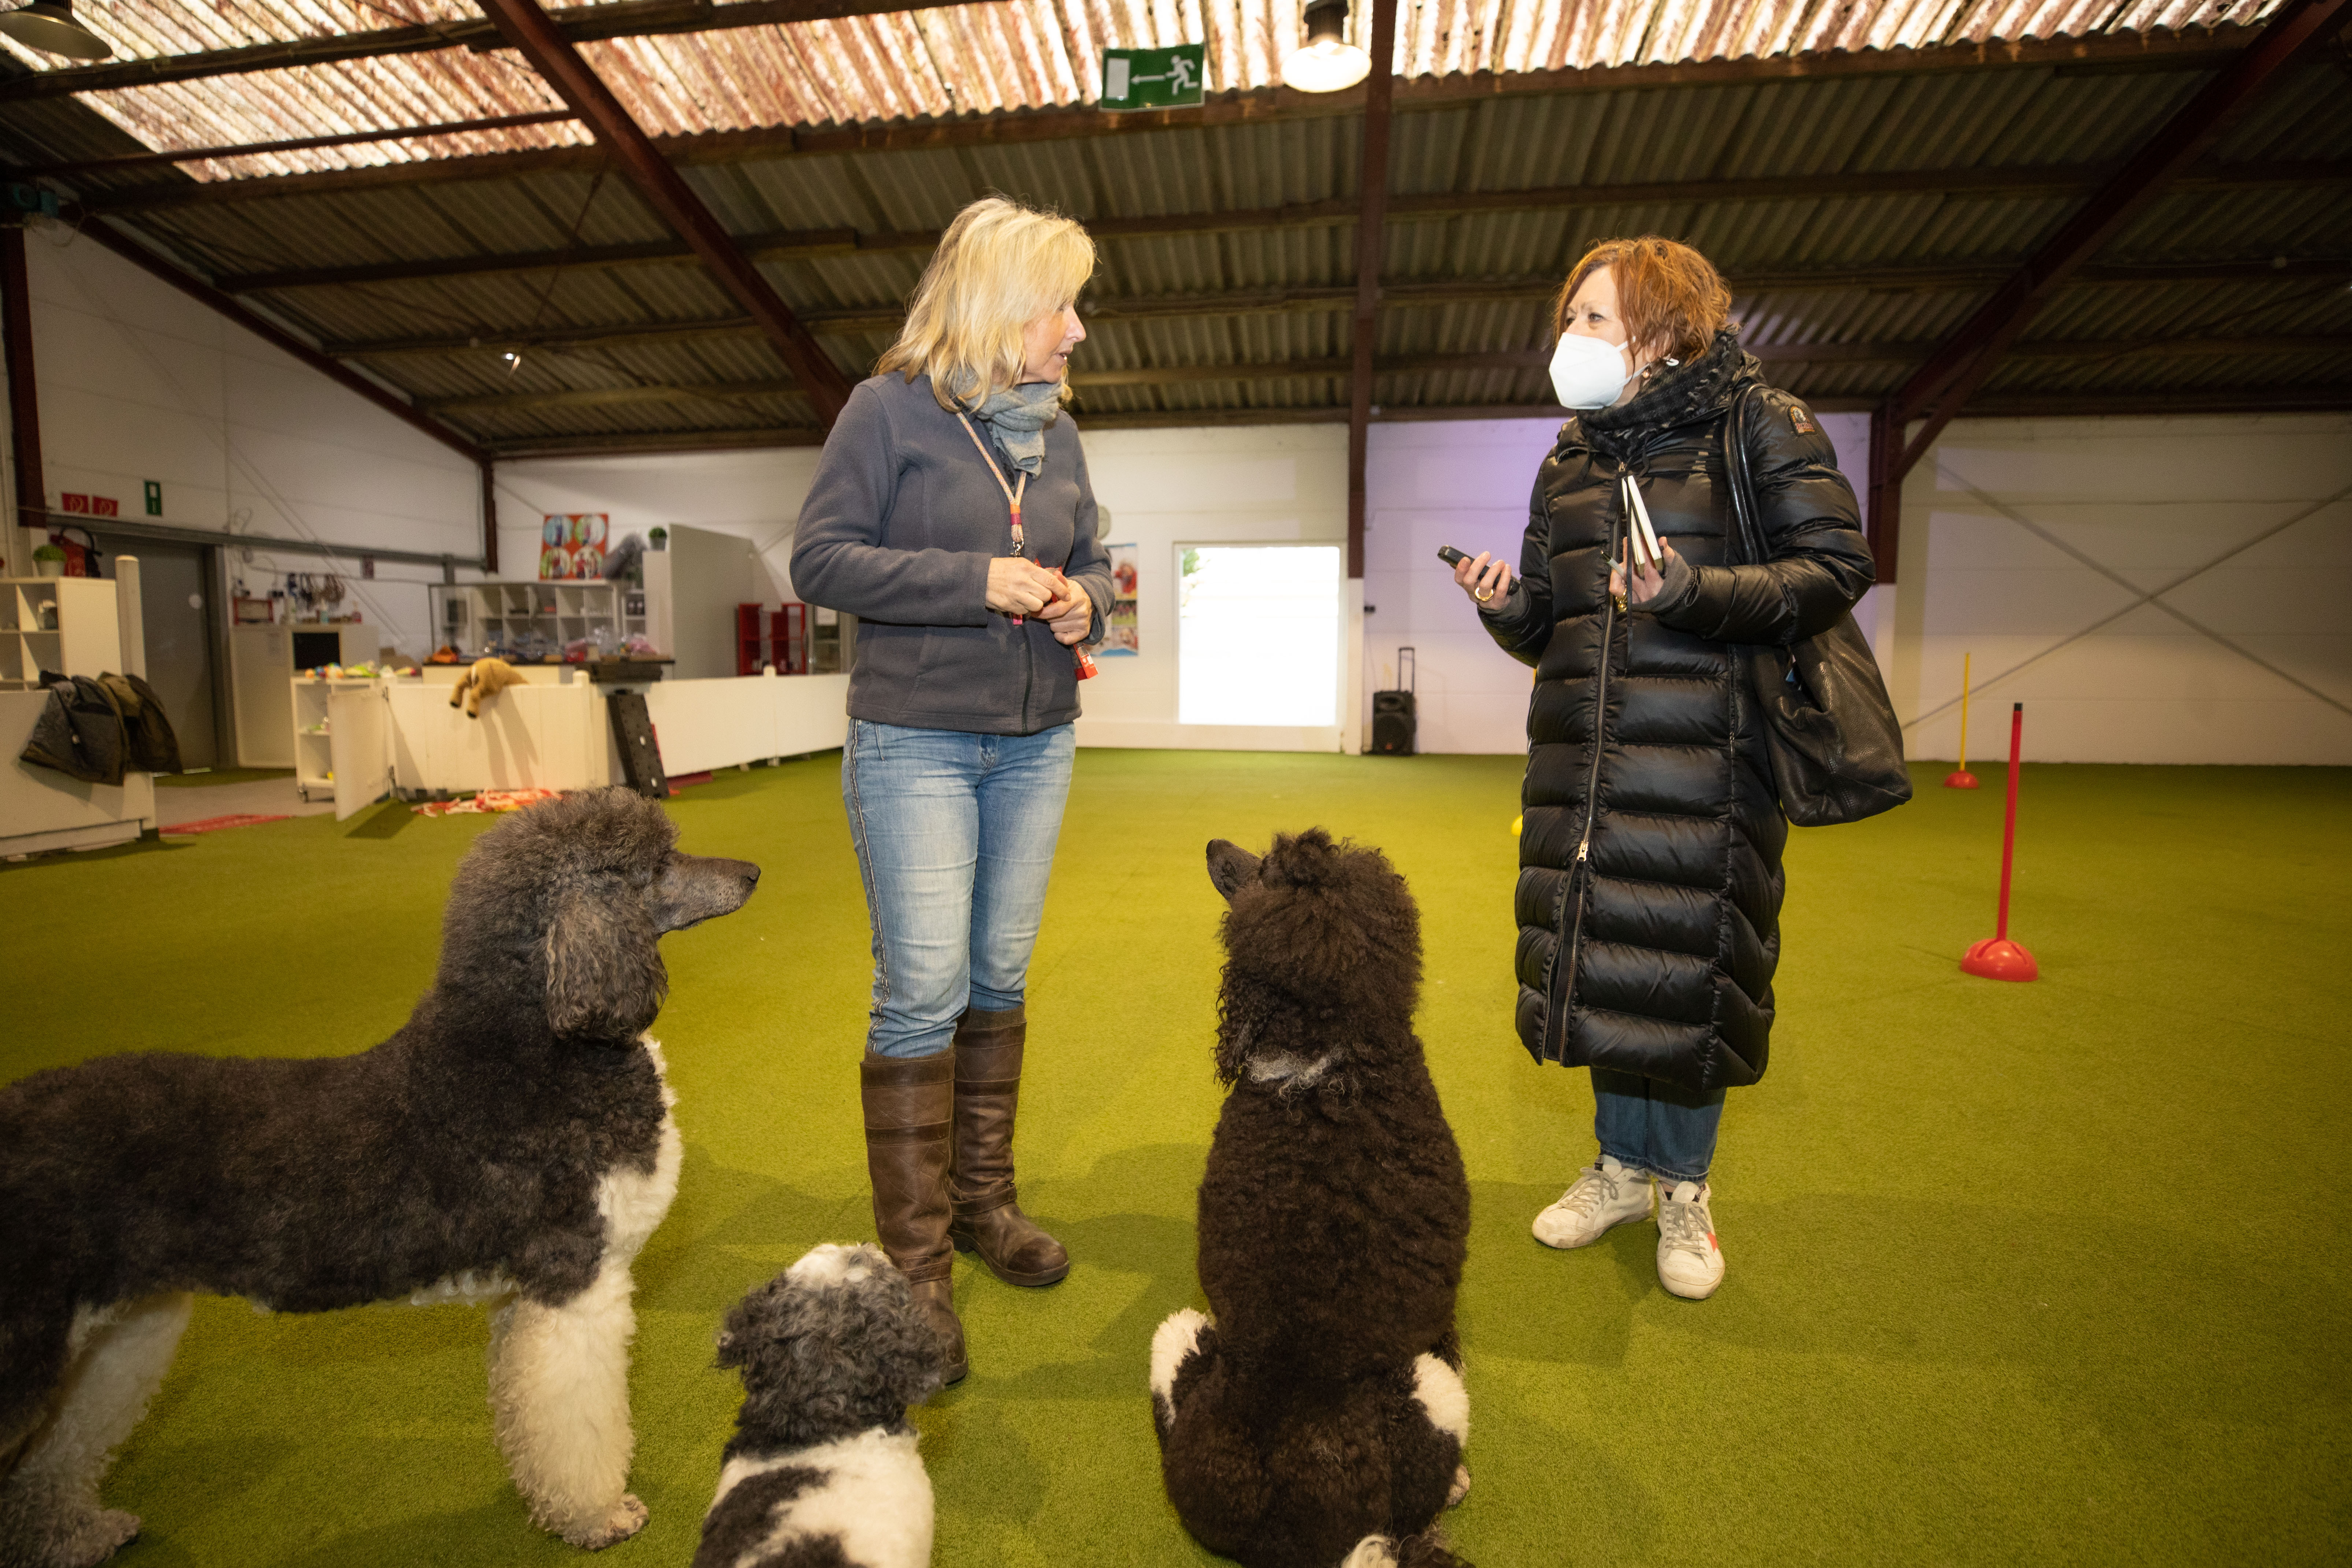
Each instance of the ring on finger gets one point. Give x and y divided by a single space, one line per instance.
1482 594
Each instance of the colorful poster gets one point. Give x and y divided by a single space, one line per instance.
1120 639
572 545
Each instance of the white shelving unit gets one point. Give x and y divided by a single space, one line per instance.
534 619
68 625
342 745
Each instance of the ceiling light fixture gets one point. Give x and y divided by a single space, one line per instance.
50 26
1326 62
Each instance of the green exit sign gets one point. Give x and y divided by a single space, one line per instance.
1153 78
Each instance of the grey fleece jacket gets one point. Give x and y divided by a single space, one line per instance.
898 530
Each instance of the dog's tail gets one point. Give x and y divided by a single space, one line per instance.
1426 1549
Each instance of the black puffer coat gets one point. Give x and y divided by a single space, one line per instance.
1649 889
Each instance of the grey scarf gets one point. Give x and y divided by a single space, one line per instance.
1017 417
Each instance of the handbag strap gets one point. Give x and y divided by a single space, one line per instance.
1746 530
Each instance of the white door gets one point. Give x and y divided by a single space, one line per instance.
358 733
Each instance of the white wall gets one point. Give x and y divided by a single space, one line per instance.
140 382
2031 544
1161 488
754 495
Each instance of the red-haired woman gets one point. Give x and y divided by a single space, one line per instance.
1649 889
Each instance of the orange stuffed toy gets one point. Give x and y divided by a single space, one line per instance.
486 679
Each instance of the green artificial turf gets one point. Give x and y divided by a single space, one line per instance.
210 777
2017 1273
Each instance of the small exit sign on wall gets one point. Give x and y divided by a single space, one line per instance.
155 498
1153 78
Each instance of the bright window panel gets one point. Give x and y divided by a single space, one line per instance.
1259 634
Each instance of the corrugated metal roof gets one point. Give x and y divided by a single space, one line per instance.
1818 129
974 58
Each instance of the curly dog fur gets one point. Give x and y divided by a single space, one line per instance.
821 1472
1319 1415
512 1142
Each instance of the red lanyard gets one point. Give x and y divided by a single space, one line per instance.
1012 493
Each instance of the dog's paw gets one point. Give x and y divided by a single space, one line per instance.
627 1518
1460 1486
95 1537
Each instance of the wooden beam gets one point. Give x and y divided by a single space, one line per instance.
122 163
522 23
2333 398
1371 237
1939 390
489 520
2197 51
2190 49
1881 513
197 289
23 395
794 244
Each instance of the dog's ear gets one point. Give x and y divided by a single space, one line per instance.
1230 866
604 974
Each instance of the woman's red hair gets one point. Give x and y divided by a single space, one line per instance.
1667 293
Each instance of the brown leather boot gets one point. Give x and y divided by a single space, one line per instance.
987 1089
909 1115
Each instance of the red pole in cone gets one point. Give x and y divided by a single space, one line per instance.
1996 957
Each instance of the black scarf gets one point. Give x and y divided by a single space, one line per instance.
1686 394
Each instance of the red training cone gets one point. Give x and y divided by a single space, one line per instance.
1996 957
1959 778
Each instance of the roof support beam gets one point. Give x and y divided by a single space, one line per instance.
527 27
2198 50
195 287
32 496
1937 392
123 163
1372 234
1394 294
793 244
2226 400
2058 351
2192 50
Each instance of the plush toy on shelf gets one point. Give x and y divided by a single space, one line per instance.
486 679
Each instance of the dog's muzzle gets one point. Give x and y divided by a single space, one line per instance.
697 888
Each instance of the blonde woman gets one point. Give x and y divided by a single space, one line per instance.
952 515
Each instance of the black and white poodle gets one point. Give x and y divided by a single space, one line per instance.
1317 1416
821 1472
512 1142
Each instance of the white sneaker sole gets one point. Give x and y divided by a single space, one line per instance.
1693 1291
1588 1241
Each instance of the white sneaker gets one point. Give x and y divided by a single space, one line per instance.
1689 1262
1606 1195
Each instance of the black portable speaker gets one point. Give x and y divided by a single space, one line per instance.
1396 721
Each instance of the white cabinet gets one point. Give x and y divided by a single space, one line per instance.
343 742
261 659
65 625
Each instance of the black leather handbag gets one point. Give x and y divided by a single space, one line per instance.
1837 747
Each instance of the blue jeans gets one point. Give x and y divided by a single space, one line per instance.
955 835
1653 1126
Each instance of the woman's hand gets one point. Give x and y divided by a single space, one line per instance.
1647 582
1019 586
1484 577
1072 616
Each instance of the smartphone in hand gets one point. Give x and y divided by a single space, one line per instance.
1451 557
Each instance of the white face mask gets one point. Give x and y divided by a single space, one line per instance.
1586 373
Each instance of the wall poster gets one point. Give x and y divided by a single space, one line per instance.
1120 639
572 545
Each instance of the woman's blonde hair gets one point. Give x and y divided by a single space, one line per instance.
999 266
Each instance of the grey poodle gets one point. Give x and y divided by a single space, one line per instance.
511 1143
821 1472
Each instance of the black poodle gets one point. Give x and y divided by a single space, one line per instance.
511 1143
1318 1416
821 1472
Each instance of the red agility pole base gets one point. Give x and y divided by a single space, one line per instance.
1996 957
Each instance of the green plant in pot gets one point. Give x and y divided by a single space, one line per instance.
49 560
658 539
